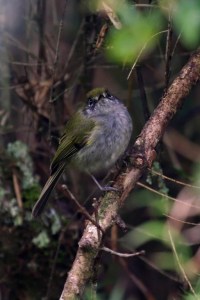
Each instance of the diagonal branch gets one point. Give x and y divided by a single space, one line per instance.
142 156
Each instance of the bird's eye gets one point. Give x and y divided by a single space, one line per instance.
91 103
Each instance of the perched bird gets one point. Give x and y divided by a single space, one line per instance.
93 140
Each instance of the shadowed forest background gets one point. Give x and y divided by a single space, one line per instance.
51 54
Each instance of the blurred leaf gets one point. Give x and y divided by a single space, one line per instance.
155 230
117 292
186 16
31 193
151 230
18 220
56 223
196 175
164 260
190 296
155 204
2 193
160 180
19 152
41 240
137 33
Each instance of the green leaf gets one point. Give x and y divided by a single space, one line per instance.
41 240
155 230
186 16
56 223
156 204
20 153
196 286
164 260
138 34
152 230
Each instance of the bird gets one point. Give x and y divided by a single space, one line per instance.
94 138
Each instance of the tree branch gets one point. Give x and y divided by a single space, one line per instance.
142 156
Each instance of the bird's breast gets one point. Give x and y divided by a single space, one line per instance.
107 142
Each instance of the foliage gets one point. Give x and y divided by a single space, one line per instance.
186 21
126 44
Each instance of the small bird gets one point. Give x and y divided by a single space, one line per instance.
93 140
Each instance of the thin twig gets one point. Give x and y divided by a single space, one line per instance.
136 281
101 37
41 10
53 265
18 63
74 45
142 93
142 5
181 221
166 196
177 40
17 190
141 51
19 45
168 49
82 208
114 19
57 50
160 271
126 255
55 64
180 266
175 180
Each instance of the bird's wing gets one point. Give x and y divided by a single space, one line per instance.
75 137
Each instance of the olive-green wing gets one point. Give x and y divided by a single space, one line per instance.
76 134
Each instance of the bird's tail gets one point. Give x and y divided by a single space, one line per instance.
48 188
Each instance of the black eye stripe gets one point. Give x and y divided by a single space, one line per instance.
91 102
